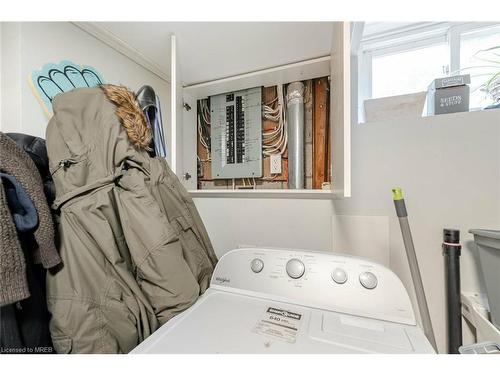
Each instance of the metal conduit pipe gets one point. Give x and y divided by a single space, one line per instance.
295 125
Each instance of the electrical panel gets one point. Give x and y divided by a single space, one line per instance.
236 139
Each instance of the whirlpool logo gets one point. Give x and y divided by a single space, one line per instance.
222 280
284 313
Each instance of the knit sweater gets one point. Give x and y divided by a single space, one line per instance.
13 280
14 161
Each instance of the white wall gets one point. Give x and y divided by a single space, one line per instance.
26 46
292 223
449 168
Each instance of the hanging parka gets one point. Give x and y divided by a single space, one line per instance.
133 246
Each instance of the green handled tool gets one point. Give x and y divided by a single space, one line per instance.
399 203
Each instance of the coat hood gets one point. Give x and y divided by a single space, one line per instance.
95 130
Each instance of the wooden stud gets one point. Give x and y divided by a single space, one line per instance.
203 154
320 132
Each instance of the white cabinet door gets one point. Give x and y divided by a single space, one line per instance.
340 109
176 106
183 120
190 142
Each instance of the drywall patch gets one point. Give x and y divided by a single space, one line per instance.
364 236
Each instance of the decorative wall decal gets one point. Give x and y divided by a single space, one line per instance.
54 79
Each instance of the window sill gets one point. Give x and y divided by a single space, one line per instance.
424 116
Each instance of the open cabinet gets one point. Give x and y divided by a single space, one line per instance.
184 116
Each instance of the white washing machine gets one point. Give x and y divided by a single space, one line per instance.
292 301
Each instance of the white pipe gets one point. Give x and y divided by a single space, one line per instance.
295 125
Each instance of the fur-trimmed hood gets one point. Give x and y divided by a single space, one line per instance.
130 114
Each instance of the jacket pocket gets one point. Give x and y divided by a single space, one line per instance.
122 330
78 320
192 249
69 174
62 344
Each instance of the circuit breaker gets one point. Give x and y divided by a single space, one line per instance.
236 139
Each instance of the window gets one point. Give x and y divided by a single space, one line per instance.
477 63
396 59
408 71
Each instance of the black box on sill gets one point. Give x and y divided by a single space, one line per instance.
448 95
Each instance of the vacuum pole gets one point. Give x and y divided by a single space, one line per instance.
399 203
451 253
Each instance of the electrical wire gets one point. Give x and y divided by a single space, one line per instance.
308 91
275 141
203 125
205 111
202 160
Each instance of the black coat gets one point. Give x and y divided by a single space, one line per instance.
36 149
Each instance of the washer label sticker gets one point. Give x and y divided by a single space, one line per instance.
279 323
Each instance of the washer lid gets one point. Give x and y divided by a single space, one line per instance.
224 322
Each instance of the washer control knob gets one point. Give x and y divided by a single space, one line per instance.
257 265
339 276
295 268
368 280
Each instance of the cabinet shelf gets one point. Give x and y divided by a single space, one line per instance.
298 71
266 193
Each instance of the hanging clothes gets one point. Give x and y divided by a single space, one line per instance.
17 163
36 149
24 319
158 131
13 281
135 250
150 105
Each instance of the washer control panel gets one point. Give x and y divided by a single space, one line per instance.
329 281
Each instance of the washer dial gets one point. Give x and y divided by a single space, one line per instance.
295 268
368 280
257 265
339 276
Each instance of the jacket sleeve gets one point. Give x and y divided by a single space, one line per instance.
161 270
167 281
